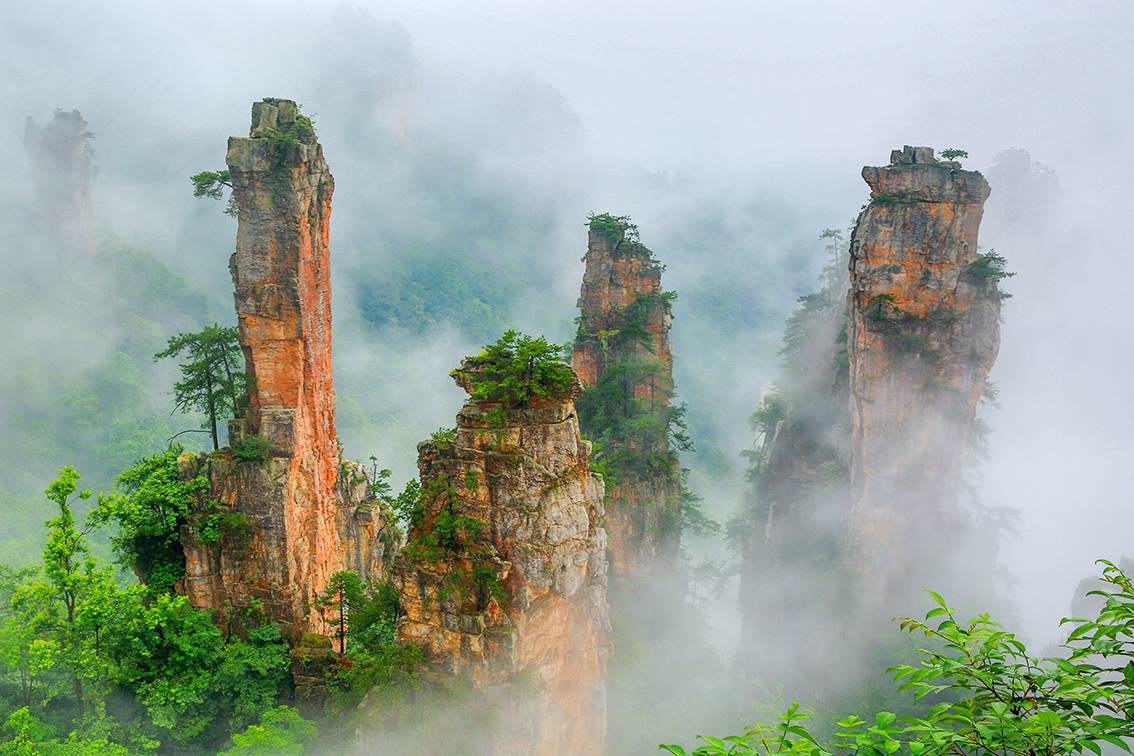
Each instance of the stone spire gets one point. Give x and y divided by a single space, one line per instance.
923 332
61 173
305 513
503 578
622 344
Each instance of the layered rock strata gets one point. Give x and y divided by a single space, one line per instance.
623 356
299 514
503 578
923 332
61 173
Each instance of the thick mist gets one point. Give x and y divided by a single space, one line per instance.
471 144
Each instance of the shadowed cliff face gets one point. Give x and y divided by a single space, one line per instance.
61 172
299 523
923 332
623 356
503 578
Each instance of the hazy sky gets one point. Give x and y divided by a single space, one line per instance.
789 98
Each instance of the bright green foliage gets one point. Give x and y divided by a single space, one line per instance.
363 615
1008 703
341 596
517 369
250 673
154 502
72 638
211 381
408 505
212 184
71 579
178 665
952 154
281 732
31 737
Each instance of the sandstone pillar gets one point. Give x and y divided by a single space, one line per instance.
923 332
622 347
61 173
302 520
503 578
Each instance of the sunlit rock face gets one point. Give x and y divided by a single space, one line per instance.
303 513
624 323
503 578
61 172
923 332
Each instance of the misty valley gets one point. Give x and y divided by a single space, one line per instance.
729 503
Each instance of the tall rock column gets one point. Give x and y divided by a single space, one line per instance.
623 356
503 578
301 522
61 172
923 333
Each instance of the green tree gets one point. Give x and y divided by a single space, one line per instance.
999 700
154 502
212 184
282 731
339 599
211 382
517 369
71 578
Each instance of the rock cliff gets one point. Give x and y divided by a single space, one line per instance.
503 578
923 332
61 173
856 502
296 513
623 356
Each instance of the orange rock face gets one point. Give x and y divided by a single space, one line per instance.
624 327
304 523
923 332
503 579
61 171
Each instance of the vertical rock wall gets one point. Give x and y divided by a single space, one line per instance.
856 502
61 173
624 327
503 578
303 514
923 332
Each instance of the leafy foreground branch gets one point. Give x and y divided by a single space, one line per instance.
1011 703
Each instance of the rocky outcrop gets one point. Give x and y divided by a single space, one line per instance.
503 578
923 331
293 512
61 173
856 504
623 356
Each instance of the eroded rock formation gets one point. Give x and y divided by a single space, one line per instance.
623 356
856 506
503 578
301 514
61 173
923 332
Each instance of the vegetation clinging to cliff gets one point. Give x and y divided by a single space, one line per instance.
517 369
614 227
